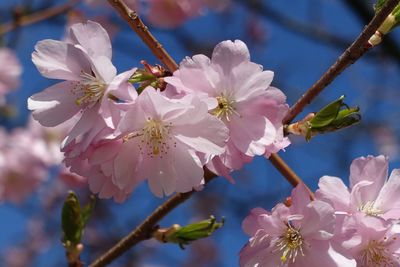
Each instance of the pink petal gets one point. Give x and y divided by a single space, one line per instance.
125 165
54 105
371 168
92 37
59 60
389 195
300 199
250 224
227 55
251 134
103 68
319 221
334 191
188 169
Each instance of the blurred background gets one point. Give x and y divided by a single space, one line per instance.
298 40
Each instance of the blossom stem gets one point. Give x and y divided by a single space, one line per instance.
36 17
134 21
356 50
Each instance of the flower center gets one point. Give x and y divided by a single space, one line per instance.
225 108
291 243
155 139
376 254
369 209
89 89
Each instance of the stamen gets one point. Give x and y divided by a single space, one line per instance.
155 139
225 108
291 243
369 209
376 254
89 89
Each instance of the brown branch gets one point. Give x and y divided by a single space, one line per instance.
132 18
353 53
36 17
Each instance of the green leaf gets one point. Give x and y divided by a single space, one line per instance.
327 114
335 116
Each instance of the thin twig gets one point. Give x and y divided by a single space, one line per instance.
353 53
29 19
142 31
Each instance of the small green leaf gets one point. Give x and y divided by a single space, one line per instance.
335 116
327 114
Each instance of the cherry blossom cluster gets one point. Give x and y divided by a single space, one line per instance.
343 226
218 113
26 154
10 71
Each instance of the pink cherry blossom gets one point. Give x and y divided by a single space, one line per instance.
84 61
238 92
22 165
163 139
370 192
294 236
10 71
374 242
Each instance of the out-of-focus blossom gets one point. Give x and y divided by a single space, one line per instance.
91 86
386 141
51 138
292 236
22 166
371 191
10 71
173 13
238 92
17 257
162 141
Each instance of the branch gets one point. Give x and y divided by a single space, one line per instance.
36 17
352 54
132 18
364 12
